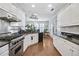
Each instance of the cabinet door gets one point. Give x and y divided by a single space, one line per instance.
61 46
57 44
3 49
75 52
72 48
29 40
6 53
26 42
66 47
24 47
67 50
35 37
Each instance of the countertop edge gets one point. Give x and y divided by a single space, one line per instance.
66 39
4 44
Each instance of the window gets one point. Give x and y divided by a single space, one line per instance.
41 27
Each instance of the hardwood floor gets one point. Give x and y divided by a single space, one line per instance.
45 48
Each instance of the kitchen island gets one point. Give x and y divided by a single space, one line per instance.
30 39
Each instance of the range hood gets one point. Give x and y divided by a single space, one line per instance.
4 15
10 19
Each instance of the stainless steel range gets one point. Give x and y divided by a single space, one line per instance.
16 46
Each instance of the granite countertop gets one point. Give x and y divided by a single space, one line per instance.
31 33
7 39
73 41
2 43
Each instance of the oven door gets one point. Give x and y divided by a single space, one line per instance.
17 50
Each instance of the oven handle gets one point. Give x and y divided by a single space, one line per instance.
19 43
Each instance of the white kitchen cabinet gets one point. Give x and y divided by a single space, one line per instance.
35 38
26 42
65 47
69 16
12 10
4 51
30 41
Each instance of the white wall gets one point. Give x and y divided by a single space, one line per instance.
50 28
3 26
52 24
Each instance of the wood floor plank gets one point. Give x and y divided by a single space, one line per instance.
45 48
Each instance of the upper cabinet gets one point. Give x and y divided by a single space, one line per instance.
4 15
69 19
11 11
69 16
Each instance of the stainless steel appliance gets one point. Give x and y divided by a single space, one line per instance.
16 46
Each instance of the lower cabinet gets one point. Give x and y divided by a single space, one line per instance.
34 38
4 51
26 42
65 47
30 39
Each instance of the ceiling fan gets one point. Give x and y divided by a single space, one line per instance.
33 16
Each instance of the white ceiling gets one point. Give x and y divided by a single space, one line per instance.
41 9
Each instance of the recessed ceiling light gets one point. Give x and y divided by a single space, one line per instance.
52 9
33 6
50 5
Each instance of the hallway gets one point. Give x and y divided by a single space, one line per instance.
42 49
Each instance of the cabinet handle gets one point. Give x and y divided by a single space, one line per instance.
71 50
31 37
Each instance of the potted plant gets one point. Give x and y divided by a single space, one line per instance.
30 28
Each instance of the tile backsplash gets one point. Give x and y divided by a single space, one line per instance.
3 26
71 29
